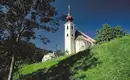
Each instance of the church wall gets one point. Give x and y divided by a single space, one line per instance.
69 37
82 45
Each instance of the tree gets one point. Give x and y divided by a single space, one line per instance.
20 19
24 51
108 33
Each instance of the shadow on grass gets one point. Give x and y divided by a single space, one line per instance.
62 71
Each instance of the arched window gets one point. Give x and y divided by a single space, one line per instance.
72 35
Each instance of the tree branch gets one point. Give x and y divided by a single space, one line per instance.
20 33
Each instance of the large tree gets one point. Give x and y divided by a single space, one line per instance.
20 19
23 50
107 33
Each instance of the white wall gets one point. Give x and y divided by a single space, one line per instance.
81 44
69 40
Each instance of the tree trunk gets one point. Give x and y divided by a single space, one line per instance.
11 69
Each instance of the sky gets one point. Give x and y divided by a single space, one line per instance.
88 15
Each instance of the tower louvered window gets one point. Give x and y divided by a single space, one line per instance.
67 27
67 35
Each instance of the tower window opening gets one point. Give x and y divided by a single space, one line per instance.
72 34
67 35
67 27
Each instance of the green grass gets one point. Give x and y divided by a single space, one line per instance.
115 62
28 69
108 61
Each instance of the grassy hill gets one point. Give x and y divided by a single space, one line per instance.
109 61
29 69
114 62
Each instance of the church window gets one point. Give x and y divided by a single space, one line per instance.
67 35
67 27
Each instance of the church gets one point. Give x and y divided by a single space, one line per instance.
75 40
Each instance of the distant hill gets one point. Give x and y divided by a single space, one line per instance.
108 61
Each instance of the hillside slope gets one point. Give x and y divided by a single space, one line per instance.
114 58
109 61
59 71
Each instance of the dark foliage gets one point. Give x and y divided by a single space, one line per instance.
20 19
39 53
21 56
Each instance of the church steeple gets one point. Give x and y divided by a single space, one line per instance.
68 10
69 17
69 35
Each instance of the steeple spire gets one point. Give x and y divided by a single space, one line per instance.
69 17
68 10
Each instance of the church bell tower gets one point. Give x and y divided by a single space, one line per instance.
69 34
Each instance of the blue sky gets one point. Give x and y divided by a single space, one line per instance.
89 15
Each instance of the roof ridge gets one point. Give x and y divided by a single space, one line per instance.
86 36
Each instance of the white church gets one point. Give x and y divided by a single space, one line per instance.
75 40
